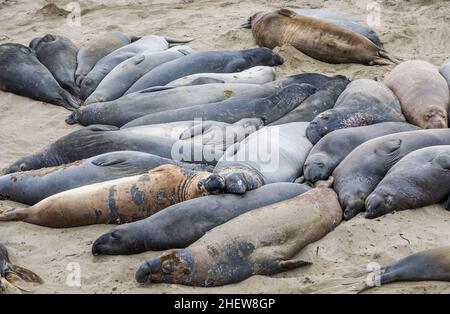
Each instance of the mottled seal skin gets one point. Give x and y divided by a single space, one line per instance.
21 73
109 62
97 48
318 38
133 106
416 181
322 100
12 277
100 139
59 55
263 241
268 109
113 202
423 93
363 102
445 70
119 80
31 187
255 75
363 169
273 154
344 21
207 62
328 153
182 224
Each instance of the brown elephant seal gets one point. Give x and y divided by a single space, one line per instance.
263 241
14 278
423 93
23 74
113 202
320 39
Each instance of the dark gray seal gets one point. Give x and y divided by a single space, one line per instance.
30 187
21 73
363 102
182 224
363 169
328 153
415 181
59 55
207 62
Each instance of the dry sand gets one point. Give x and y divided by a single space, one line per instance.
409 29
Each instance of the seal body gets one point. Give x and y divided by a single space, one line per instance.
416 181
31 187
59 55
363 102
363 169
207 62
423 93
318 38
263 241
182 224
21 73
445 70
113 202
328 153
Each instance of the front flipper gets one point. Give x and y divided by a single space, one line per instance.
106 161
278 266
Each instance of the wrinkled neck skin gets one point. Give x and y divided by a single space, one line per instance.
252 178
191 186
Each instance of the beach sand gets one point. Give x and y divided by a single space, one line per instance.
409 29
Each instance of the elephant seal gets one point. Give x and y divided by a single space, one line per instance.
113 202
328 153
423 93
445 71
207 62
109 62
21 73
133 106
12 277
188 221
322 100
231 110
344 21
31 187
59 55
317 38
263 241
363 169
414 182
97 48
273 154
99 139
255 75
363 102
119 80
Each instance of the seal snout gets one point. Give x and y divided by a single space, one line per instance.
377 205
352 205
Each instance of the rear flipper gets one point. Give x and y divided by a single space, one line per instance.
279 266
17 279
13 214
7 288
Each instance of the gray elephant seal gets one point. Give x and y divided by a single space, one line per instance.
414 182
423 93
31 187
263 241
180 225
59 55
445 70
363 169
273 154
207 62
21 73
12 277
328 153
99 139
97 48
133 106
268 109
322 100
363 102
119 80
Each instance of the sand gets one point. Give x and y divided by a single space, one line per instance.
409 29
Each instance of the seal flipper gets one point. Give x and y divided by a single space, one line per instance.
8 288
173 41
292 264
196 130
155 89
106 161
206 80
13 214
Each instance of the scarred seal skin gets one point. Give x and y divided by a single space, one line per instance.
263 241
113 202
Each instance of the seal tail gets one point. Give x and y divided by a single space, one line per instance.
13 214
72 118
174 41
70 102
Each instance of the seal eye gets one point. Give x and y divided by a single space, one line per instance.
23 167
